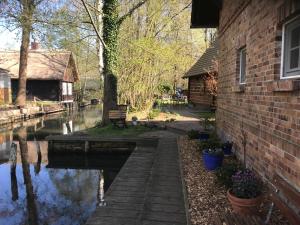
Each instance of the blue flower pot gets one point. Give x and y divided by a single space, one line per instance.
227 150
203 136
212 162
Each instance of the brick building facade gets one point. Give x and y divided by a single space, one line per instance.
258 105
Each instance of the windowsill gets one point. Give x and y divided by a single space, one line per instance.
240 88
286 85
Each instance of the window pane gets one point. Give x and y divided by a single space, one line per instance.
64 88
243 66
295 37
294 60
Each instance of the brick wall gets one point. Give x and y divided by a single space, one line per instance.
197 93
266 110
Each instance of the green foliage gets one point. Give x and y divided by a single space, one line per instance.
225 173
111 28
214 151
207 119
153 113
156 51
212 143
134 118
246 184
164 88
193 134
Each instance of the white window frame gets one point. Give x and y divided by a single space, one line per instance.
241 50
283 51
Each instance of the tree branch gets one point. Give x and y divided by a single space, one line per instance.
175 15
93 23
131 11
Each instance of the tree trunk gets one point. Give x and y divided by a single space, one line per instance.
26 23
110 38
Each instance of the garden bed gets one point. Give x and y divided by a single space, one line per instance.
205 196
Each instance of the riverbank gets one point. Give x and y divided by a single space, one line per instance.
14 114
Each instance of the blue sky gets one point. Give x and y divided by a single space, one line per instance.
9 40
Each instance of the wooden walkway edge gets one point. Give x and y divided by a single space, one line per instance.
148 189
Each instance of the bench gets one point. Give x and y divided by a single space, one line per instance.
118 116
282 194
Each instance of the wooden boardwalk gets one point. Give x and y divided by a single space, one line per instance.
148 189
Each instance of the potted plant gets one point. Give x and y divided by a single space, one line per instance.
212 153
227 147
245 195
134 120
203 136
207 121
193 134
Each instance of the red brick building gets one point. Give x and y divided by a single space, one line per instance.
198 93
258 81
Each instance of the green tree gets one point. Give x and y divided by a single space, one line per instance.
111 28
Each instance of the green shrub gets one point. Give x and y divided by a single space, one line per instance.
153 113
246 184
212 143
224 174
193 134
214 151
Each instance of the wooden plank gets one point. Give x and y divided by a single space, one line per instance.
287 190
292 217
235 219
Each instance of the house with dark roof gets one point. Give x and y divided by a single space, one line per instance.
50 74
197 75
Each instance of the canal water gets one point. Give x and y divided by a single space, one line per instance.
63 192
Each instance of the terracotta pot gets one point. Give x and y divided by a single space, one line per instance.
244 206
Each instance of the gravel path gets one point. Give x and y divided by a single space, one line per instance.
205 197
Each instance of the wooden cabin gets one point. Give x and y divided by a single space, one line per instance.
50 74
198 93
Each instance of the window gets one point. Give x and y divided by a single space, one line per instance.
291 49
64 88
242 62
70 88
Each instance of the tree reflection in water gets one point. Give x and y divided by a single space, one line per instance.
37 165
13 176
101 201
31 206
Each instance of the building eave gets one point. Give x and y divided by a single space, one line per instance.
205 13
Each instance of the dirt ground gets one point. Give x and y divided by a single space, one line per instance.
205 197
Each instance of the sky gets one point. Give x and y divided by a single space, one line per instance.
9 40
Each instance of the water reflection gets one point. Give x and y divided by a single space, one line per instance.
39 189
31 205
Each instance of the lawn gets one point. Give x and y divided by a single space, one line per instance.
111 130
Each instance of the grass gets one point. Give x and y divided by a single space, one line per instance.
111 130
207 115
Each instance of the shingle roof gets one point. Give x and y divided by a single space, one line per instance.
205 63
42 64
